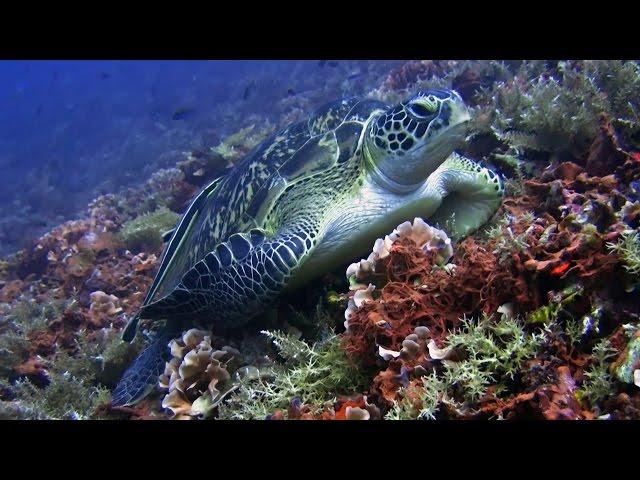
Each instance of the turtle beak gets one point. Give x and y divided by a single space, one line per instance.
459 113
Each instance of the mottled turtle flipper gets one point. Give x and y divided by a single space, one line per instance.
130 329
470 193
140 378
238 279
229 285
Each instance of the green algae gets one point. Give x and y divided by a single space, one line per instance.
145 232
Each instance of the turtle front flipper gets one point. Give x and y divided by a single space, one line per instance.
140 378
237 279
470 194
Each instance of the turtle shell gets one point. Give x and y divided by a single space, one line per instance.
241 200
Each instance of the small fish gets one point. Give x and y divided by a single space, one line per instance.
560 269
332 63
354 75
248 90
322 63
182 113
291 92
39 110
105 75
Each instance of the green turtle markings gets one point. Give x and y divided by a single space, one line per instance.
308 199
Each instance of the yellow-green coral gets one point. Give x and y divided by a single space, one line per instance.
25 318
145 231
598 383
508 243
313 374
419 402
561 110
628 249
549 115
620 80
77 382
495 352
66 397
241 140
488 353
549 313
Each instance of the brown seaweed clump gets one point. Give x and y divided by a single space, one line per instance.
411 285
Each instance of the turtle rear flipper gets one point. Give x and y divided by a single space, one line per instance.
232 283
140 378
130 328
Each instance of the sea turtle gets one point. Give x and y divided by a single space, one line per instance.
308 199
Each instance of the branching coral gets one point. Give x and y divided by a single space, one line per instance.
24 337
75 382
495 352
418 401
506 242
628 249
478 356
598 383
620 80
559 109
312 375
66 397
50 359
556 116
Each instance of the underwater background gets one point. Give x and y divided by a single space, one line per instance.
71 130
533 316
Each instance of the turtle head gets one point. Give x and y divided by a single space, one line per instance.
408 141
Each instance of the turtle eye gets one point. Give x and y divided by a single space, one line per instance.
423 108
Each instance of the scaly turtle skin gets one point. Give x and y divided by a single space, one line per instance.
307 200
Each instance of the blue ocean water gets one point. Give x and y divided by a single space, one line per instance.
70 130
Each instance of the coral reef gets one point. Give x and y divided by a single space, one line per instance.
535 316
